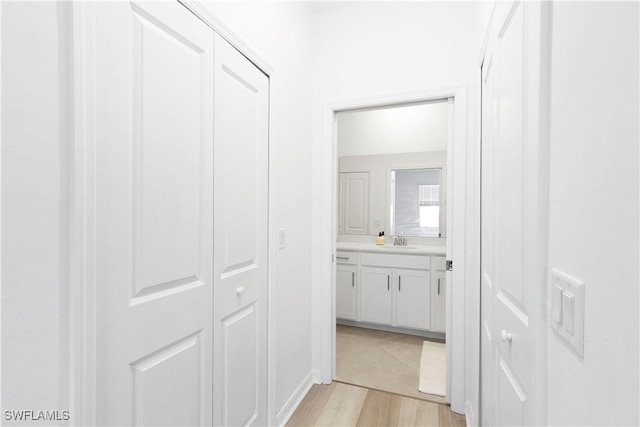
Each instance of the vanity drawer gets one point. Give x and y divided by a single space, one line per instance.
439 263
422 262
346 257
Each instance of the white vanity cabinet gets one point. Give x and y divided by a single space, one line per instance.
346 285
391 289
395 290
438 295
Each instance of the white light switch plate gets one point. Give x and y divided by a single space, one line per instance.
570 303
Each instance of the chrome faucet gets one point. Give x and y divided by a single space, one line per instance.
400 240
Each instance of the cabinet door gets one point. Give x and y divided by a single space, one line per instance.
341 203
375 295
439 302
356 203
413 298
346 292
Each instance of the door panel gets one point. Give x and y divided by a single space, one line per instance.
510 214
375 295
356 215
439 306
240 244
413 300
240 363
180 363
153 214
346 291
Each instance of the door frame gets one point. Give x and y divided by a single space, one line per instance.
82 293
456 155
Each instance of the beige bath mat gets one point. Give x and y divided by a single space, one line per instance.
433 368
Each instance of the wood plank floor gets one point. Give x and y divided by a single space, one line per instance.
339 404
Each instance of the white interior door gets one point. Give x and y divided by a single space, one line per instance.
153 159
510 220
241 238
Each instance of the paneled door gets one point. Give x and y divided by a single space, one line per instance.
241 137
149 171
356 203
512 205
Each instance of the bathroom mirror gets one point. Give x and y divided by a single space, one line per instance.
408 140
400 192
416 202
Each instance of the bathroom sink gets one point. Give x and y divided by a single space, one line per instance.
401 247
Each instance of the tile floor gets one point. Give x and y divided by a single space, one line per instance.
380 360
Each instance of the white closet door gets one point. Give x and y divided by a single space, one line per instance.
153 201
511 210
241 232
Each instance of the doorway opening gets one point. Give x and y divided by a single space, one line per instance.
390 235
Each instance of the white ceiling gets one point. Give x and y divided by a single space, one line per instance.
321 5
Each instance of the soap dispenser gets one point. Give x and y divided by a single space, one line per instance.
380 239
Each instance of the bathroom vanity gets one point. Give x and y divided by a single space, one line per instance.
393 288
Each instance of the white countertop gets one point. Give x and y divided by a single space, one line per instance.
390 249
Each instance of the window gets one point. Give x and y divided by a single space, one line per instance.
417 204
429 202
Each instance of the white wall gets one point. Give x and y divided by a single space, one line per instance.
594 209
280 32
374 50
398 129
35 136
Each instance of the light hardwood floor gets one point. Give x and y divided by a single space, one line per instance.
339 404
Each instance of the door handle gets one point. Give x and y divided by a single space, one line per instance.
399 283
353 279
505 336
388 282
438 286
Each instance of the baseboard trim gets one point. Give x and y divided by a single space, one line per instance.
292 404
469 415
317 377
418 332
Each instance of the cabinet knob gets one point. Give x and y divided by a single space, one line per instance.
240 290
506 336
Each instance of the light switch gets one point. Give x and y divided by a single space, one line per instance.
567 304
556 304
281 238
567 308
